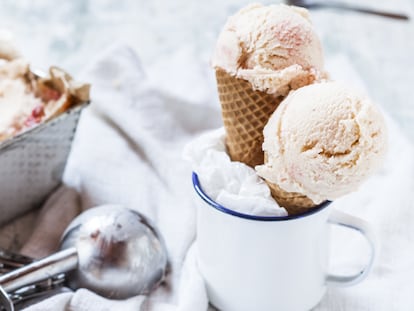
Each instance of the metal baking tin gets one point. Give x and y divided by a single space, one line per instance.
32 163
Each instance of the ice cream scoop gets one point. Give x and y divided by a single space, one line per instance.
109 249
323 141
271 47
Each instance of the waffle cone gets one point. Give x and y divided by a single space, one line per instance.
245 112
294 203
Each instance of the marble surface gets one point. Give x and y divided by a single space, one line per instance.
71 33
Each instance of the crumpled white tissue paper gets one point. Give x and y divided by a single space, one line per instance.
234 185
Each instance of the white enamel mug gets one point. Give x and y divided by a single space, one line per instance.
270 263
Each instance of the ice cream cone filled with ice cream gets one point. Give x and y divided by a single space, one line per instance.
262 53
321 143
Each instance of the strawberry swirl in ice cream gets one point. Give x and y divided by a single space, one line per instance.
19 107
27 100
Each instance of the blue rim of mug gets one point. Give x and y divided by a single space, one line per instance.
221 208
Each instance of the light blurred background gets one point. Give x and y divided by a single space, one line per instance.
72 33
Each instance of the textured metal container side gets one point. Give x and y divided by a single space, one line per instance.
32 164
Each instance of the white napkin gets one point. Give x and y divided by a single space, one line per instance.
128 150
232 184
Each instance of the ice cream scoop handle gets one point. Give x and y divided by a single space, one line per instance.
361 226
39 270
343 6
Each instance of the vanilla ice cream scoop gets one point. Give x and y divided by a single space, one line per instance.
323 141
271 47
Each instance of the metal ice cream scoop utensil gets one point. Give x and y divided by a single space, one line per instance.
110 250
9 261
37 291
344 6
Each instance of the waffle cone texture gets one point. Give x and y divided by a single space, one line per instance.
294 203
245 112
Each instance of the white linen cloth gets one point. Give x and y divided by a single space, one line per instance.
128 151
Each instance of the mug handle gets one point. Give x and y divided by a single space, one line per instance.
343 219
